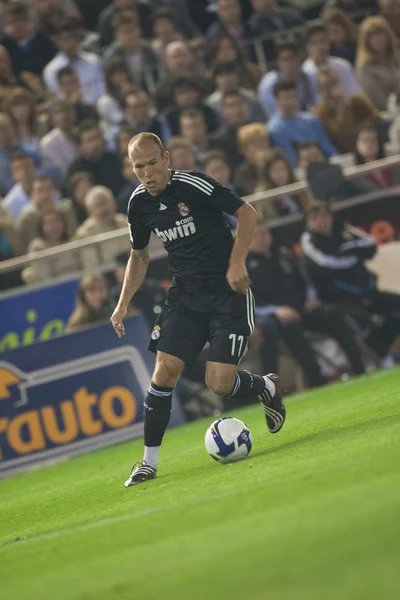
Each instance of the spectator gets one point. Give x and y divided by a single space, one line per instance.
78 186
369 147
254 145
378 61
292 127
70 90
109 106
101 207
217 166
52 231
86 65
185 94
390 11
124 136
226 79
50 13
138 114
342 34
194 130
6 148
44 196
335 256
105 21
20 107
288 67
165 31
352 6
394 130
23 173
10 247
131 183
318 57
29 49
103 165
277 172
286 307
231 22
138 56
342 116
309 152
235 114
179 60
59 147
9 80
92 304
181 154
222 49
268 17
182 15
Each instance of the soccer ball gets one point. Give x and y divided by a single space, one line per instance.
228 440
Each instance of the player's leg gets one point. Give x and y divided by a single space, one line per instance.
229 333
177 338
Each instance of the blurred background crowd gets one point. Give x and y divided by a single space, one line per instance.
259 94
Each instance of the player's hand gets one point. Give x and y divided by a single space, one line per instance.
238 277
118 315
287 314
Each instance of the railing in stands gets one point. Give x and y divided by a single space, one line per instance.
292 189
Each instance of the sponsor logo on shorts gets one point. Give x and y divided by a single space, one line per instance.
183 209
155 334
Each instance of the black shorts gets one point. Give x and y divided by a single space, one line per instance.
189 320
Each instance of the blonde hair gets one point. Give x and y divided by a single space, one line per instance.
365 54
247 133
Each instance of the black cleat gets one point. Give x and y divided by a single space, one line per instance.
275 411
140 473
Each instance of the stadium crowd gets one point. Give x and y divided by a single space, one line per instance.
78 79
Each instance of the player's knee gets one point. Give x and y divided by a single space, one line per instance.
222 386
167 373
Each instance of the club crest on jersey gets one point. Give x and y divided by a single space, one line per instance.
155 334
183 209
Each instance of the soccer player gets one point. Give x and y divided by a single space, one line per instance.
209 299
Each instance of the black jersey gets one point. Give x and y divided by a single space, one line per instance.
188 216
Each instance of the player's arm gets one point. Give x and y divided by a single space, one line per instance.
237 275
135 273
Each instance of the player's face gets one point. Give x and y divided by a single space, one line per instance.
150 167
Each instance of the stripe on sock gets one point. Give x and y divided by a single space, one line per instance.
159 393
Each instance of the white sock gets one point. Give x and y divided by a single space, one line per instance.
151 455
269 384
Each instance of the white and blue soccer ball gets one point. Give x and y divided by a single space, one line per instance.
228 440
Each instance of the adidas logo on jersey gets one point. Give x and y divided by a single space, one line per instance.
184 228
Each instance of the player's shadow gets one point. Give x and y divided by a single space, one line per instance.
335 433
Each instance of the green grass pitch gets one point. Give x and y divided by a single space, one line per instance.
313 513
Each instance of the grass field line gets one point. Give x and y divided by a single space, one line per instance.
189 502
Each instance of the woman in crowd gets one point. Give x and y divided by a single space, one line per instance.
342 116
378 61
254 144
52 233
277 172
20 106
224 49
78 186
342 34
92 303
369 147
109 106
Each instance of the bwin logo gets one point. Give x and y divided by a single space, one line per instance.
183 229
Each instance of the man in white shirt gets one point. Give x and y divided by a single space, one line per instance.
318 57
87 65
23 173
59 147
